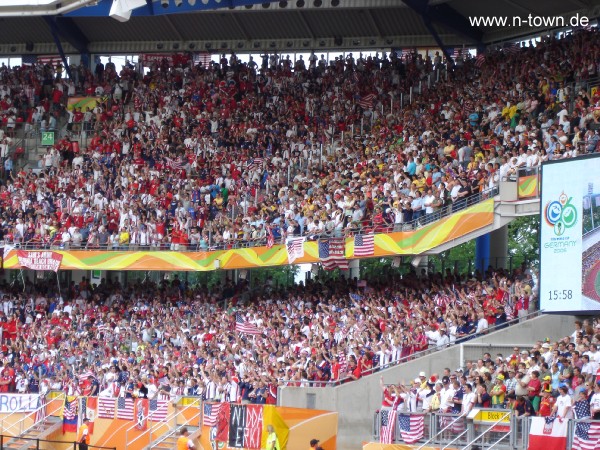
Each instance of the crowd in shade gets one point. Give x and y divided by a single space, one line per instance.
172 339
550 379
191 157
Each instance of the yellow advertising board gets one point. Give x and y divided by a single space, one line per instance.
412 242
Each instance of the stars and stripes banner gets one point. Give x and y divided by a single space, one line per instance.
411 427
480 60
159 410
141 413
512 49
70 415
387 424
587 434
175 164
88 408
364 244
51 60
548 433
332 253
210 414
295 248
125 408
254 163
270 237
366 101
203 59
243 326
106 407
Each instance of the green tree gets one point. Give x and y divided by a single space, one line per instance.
523 238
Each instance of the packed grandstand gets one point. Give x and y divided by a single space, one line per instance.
232 154
179 340
235 154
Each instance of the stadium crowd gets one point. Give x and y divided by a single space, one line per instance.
547 379
171 339
188 157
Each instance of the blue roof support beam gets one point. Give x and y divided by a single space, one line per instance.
448 17
55 35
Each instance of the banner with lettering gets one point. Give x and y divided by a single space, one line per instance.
18 403
141 413
40 260
245 426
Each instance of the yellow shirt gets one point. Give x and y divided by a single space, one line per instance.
124 237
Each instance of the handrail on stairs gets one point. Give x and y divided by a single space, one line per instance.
20 423
187 421
156 425
432 439
489 429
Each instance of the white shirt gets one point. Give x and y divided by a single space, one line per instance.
564 406
467 403
482 325
595 403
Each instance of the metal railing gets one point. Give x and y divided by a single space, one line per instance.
491 429
312 383
368 226
18 427
196 403
4 439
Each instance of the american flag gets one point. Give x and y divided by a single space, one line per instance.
331 253
159 410
254 163
343 362
411 427
243 326
270 237
366 101
509 307
512 49
84 376
125 408
480 60
456 52
106 407
203 59
364 245
52 60
441 300
211 412
175 164
388 420
70 409
587 434
40 413
295 248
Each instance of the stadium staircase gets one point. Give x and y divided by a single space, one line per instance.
28 439
163 435
169 440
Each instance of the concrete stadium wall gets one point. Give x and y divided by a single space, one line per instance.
355 402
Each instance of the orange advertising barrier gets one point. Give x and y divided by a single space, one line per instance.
391 244
529 186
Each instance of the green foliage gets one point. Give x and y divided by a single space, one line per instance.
523 238
279 275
